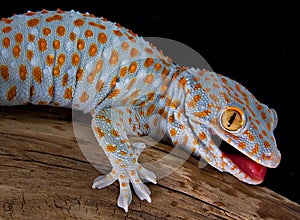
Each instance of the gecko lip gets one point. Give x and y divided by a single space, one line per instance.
248 166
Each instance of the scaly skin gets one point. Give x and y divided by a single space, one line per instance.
69 59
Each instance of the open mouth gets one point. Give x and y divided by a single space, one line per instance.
248 166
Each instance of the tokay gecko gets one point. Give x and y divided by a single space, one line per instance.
69 59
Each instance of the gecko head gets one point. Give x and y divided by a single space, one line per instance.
225 108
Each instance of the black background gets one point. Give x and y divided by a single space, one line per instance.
257 47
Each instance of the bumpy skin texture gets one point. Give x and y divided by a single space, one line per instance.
69 59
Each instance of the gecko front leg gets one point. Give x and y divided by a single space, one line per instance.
110 132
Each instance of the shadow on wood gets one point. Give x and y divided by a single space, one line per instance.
44 175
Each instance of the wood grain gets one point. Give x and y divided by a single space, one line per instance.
44 175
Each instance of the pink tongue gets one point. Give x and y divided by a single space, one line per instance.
248 166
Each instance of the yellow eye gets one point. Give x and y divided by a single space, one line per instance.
232 119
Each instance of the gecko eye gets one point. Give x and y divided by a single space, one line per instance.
232 119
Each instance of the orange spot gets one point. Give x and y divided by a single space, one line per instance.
33 22
259 107
202 136
79 74
150 110
75 59
151 96
125 45
54 18
202 114
56 71
32 91
165 72
46 31
44 11
157 66
100 26
118 33
111 148
197 98
51 90
149 79
56 44
80 44
4 72
65 80
6 42
171 119
148 50
255 149
113 82
84 97
269 126
50 59
79 22
264 132
68 93
148 62
61 59
102 38
31 37
173 132
30 13
133 67
22 72
197 86
134 52
42 44
267 144
131 83
6 29
263 115
114 93
19 38
61 31
135 94
11 93
29 54
115 133
16 51
42 103
88 33
93 50
7 20
182 82
242 145
114 57
99 85
100 133
72 36
123 71
37 74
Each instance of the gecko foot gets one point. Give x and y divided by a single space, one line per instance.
135 177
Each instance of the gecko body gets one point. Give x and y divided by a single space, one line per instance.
69 59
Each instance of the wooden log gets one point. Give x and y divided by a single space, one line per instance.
44 175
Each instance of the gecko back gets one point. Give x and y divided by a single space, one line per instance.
58 58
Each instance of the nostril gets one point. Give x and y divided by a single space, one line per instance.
275 118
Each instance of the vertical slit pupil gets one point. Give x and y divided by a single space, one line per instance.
231 119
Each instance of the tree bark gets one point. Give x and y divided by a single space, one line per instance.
45 175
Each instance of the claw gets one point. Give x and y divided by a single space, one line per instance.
146 175
103 181
142 191
125 196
